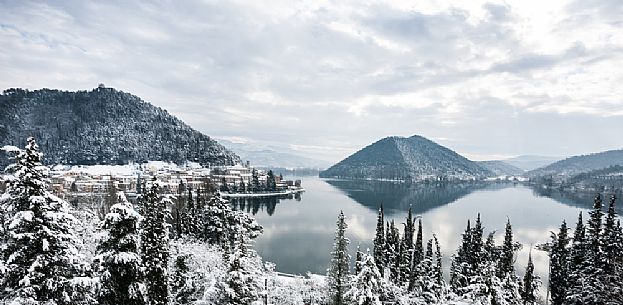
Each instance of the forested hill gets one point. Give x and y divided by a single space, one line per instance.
580 164
412 159
101 126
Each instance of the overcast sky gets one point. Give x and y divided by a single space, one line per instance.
487 79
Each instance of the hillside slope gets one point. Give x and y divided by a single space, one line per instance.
412 159
501 168
101 126
269 156
580 164
530 162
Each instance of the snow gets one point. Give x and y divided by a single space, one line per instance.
10 149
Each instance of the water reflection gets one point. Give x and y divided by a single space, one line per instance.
253 205
398 197
582 200
298 234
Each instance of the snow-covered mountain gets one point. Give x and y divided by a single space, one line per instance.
580 164
271 156
501 168
101 126
412 159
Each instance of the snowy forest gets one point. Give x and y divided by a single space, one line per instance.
51 253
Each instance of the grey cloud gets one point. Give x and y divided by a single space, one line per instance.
203 60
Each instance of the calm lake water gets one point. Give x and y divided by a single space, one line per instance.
298 232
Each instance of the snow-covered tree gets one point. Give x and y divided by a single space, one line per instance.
613 253
416 257
426 281
576 292
221 224
215 221
460 270
595 259
183 284
155 244
507 261
559 265
358 260
190 220
392 252
612 239
531 284
440 286
379 241
506 268
38 255
338 273
118 259
367 285
407 248
239 287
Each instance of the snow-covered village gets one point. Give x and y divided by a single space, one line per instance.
382 152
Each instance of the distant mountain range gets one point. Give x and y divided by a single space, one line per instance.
411 159
269 156
501 168
530 162
580 164
102 126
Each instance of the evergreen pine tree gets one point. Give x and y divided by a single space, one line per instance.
367 285
476 245
531 283
408 238
358 260
223 225
459 270
183 285
595 259
155 244
427 278
379 241
417 256
120 265
559 266
613 251
506 265
439 283
403 263
215 221
255 182
611 239
239 287
271 185
39 255
338 273
577 279
394 255
387 252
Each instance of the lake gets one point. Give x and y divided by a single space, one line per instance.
298 232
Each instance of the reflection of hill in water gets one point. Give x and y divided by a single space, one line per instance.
255 204
396 197
582 200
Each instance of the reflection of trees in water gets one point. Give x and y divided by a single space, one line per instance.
101 202
582 200
254 204
397 197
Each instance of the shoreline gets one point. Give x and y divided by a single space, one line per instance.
257 195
